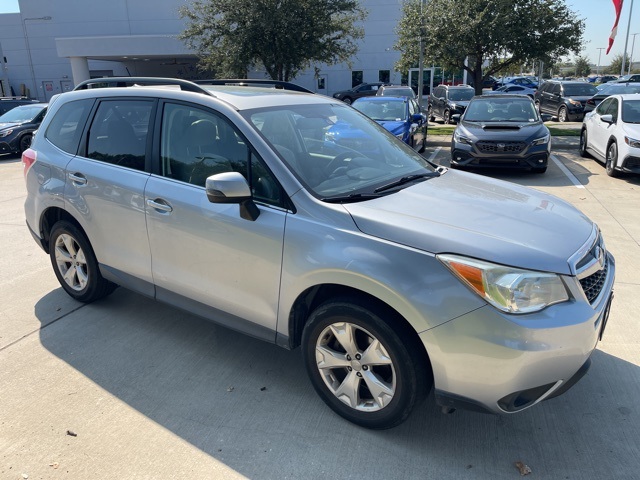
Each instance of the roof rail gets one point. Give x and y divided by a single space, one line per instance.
109 82
248 82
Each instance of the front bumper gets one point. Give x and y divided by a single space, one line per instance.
465 155
498 363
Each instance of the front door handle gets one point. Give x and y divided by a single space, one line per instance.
160 205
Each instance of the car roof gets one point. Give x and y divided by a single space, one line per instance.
506 95
386 98
30 105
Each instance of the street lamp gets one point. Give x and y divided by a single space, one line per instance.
631 57
599 55
26 41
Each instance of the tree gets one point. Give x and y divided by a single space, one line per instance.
616 64
501 33
283 36
582 66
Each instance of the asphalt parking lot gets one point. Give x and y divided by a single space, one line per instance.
128 388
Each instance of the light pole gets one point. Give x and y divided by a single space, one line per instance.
26 41
633 43
626 42
599 55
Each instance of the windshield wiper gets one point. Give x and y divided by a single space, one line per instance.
407 179
354 197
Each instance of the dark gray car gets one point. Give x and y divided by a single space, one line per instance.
565 100
501 131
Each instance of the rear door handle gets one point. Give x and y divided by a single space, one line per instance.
160 205
78 178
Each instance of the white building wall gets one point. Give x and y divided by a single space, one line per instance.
98 23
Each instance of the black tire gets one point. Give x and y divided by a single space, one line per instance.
447 117
562 114
75 264
611 160
583 144
401 385
25 142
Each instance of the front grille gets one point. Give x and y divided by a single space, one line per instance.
592 285
501 147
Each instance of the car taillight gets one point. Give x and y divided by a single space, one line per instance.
28 159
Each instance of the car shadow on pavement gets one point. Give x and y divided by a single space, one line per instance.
237 398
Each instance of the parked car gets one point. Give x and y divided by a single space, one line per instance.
8 103
501 131
399 115
523 81
611 133
446 100
362 90
513 89
606 78
396 91
627 78
564 99
17 127
393 275
609 89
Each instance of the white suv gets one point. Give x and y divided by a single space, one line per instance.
296 219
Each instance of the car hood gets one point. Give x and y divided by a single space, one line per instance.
479 217
4 126
511 131
394 127
462 103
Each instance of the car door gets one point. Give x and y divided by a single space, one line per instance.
108 176
599 131
439 102
205 257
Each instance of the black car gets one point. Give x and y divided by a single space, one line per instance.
446 101
498 131
17 127
564 99
362 90
611 88
8 103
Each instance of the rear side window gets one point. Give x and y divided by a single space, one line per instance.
118 134
65 128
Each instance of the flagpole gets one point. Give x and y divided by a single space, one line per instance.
626 41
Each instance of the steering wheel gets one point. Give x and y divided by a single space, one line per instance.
340 158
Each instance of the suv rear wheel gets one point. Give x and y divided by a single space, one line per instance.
361 367
75 264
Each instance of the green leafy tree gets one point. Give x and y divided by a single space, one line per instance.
501 33
616 65
582 66
283 36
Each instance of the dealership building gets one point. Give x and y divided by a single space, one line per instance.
52 45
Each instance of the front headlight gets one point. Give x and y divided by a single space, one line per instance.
5 133
509 289
457 137
541 140
632 142
575 103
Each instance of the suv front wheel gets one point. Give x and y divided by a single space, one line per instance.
362 368
75 264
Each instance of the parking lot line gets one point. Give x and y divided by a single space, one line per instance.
434 154
567 172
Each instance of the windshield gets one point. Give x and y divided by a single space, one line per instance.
501 110
21 114
390 110
334 150
631 111
583 90
461 95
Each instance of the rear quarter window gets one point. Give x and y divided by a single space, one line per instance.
66 126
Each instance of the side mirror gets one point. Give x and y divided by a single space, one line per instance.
455 117
607 119
232 187
418 118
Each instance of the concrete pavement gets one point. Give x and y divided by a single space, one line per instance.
127 388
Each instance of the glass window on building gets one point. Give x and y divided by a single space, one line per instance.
384 76
356 78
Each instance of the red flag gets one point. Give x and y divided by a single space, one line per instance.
617 4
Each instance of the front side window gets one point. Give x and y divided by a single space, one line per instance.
118 134
197 143
602 108
612 109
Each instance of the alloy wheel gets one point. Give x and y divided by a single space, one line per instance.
71 262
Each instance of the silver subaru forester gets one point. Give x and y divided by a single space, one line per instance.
297 220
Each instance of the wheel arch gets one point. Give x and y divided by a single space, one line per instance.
50 217
312 297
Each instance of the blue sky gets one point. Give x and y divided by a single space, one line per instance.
599 16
